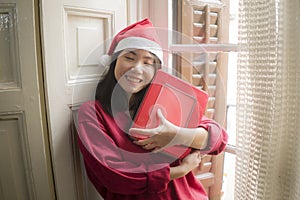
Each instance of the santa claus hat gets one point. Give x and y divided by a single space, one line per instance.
140 35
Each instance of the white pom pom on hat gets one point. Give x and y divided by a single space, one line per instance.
105 60
140 35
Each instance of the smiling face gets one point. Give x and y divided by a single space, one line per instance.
135 69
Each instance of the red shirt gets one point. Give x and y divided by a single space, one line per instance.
119 169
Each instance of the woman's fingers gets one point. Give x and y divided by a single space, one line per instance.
141 133
146 144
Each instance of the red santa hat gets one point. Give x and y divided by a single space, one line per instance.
140 35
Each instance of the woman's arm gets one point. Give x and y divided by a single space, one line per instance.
196 138
189 163
110 166
209 136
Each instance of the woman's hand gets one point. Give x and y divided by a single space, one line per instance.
189 163
192 160
166 134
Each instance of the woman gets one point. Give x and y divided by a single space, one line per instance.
121 166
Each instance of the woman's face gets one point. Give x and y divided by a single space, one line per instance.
134 69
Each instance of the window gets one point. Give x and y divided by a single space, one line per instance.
211 66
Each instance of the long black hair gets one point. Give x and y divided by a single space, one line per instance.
108 88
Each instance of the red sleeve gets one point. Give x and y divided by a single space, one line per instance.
109 166
217 136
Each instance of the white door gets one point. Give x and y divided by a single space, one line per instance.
73 36
25 171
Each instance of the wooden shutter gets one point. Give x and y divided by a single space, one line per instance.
207 22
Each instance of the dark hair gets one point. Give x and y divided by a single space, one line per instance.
108 86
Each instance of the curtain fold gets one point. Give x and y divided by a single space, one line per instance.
268 105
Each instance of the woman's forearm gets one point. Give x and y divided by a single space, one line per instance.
177 172
188 163
193 137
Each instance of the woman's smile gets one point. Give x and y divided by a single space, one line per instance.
133 79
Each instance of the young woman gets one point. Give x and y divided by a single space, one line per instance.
121 166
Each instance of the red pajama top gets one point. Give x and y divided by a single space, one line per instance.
119 169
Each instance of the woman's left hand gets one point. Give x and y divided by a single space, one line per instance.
166 134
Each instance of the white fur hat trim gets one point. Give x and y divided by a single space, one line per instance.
140 43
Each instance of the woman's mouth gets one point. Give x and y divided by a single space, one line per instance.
133 79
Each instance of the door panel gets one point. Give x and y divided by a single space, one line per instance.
25 171
75 34
13 150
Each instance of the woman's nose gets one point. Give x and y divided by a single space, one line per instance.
138 67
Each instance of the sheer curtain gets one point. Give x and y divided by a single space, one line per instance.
268 103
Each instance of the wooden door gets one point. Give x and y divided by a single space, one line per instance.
25 170
74 36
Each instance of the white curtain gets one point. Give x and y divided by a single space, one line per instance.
268 103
